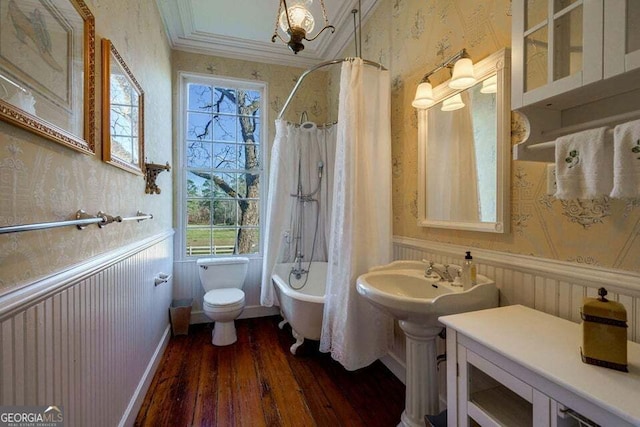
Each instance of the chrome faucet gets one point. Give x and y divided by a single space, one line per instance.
433 272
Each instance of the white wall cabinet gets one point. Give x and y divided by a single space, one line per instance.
574 62
515 366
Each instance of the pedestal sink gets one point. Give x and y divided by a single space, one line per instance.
402 290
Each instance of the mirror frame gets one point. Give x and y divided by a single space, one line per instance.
499 64
110 53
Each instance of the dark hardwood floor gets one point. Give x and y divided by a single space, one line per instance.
258 382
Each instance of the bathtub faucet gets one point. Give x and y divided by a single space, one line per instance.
297 269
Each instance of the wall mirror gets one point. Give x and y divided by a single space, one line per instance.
464 152
122 113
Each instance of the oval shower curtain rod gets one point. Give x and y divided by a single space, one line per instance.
316 67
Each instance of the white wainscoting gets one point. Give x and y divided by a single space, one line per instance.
555 287
187 285
89 338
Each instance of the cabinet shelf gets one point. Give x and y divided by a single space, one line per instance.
502 406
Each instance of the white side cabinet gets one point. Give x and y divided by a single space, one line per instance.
573 62
515 366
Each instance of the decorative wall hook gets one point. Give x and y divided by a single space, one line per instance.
151 173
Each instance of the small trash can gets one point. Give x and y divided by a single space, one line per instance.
180 314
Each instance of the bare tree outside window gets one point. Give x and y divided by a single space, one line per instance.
223 169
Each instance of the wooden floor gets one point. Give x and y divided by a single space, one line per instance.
258 382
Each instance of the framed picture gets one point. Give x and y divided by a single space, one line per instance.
122 113
47 69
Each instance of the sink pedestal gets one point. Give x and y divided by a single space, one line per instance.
421 379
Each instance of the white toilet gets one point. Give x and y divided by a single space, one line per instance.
222 280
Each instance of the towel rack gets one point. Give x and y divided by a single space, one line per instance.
82 220
520 150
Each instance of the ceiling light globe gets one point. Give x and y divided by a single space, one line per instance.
299 16
463 76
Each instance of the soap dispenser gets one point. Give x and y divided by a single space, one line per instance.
469 276
604 332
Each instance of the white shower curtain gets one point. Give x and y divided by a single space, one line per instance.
296 148
353 330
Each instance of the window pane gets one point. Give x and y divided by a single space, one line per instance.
248 156
249 241
225 101
225 184
199 126
252 213
249 185
225 156
198 241
225 212
224 128
135 114
200 97
224 240
567 41
198 212
198 185
199 154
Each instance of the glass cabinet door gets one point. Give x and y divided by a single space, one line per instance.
622 36
560 45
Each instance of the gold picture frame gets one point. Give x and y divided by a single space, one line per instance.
47 70
122 113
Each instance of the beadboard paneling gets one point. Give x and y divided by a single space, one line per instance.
86 339
551 286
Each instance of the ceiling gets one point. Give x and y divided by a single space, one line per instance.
242 29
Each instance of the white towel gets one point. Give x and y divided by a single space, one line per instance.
584 165
626 160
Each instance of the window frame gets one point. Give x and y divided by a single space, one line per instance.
184 78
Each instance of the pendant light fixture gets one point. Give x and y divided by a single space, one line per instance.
297 22
453 103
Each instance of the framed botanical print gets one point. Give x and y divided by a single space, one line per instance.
122 113
47 69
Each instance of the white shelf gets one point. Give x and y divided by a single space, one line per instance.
502 406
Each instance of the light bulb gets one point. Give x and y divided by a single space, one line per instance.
299 16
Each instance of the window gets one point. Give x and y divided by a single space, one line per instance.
221 158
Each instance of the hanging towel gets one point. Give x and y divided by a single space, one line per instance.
584 165
626 160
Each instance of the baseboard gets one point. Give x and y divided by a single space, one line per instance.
250 312
130 414
395 365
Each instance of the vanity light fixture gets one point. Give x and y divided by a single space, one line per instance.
462 77
297 21
453 103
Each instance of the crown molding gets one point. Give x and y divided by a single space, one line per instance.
177 18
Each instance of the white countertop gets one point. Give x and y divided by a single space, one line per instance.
550 347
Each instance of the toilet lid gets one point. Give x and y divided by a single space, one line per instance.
223 297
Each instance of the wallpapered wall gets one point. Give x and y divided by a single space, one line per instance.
411 37
43 181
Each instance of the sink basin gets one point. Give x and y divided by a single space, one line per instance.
403 291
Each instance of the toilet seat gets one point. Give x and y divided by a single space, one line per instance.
224 299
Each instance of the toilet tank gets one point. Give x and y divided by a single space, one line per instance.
217 273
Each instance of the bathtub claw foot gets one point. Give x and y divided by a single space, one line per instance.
299 340
284 322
